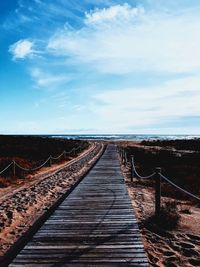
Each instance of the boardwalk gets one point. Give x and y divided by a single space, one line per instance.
94 226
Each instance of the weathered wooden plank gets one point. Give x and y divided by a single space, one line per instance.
92 216
82 254
105 203
92 207
92 237
64 249
107 229
75 243
92 211
31 246
106 221
82 264
94 226
76 259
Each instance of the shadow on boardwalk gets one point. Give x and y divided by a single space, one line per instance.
95 225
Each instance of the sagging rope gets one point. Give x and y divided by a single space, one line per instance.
137 174
32 169
6 167
63 153
178 187
45 162
164 178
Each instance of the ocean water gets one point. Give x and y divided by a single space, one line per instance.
125 137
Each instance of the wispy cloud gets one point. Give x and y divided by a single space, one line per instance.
124 39
114 14
147 107
22 49
46 79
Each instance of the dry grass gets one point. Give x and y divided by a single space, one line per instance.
183 170
30 152
167 219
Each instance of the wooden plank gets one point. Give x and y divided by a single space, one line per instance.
89 245
82 265
31 246
77 229
62 261
94 225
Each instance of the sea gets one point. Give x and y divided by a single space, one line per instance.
125 137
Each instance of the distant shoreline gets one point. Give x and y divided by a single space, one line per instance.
116 137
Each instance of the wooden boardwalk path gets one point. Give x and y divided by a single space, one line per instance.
94 226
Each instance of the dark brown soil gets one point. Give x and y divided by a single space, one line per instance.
31 151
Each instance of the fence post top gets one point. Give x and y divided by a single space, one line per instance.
158 170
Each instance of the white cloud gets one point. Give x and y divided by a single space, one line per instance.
147 107
114 13
21 49
44 79
123 39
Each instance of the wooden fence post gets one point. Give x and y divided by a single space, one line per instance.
157 190
123 157
14 169
132 169
126 159
50 161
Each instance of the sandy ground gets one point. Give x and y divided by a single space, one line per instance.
177 247
22 205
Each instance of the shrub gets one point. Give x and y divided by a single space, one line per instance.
167 219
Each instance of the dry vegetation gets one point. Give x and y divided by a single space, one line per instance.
181 166
30 152
172 238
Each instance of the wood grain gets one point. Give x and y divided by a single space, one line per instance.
94 226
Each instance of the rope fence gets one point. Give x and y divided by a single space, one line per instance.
6 167
49 159
180 188
157 176
137 174
58 157
32 169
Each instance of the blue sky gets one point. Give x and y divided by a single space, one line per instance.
100 66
